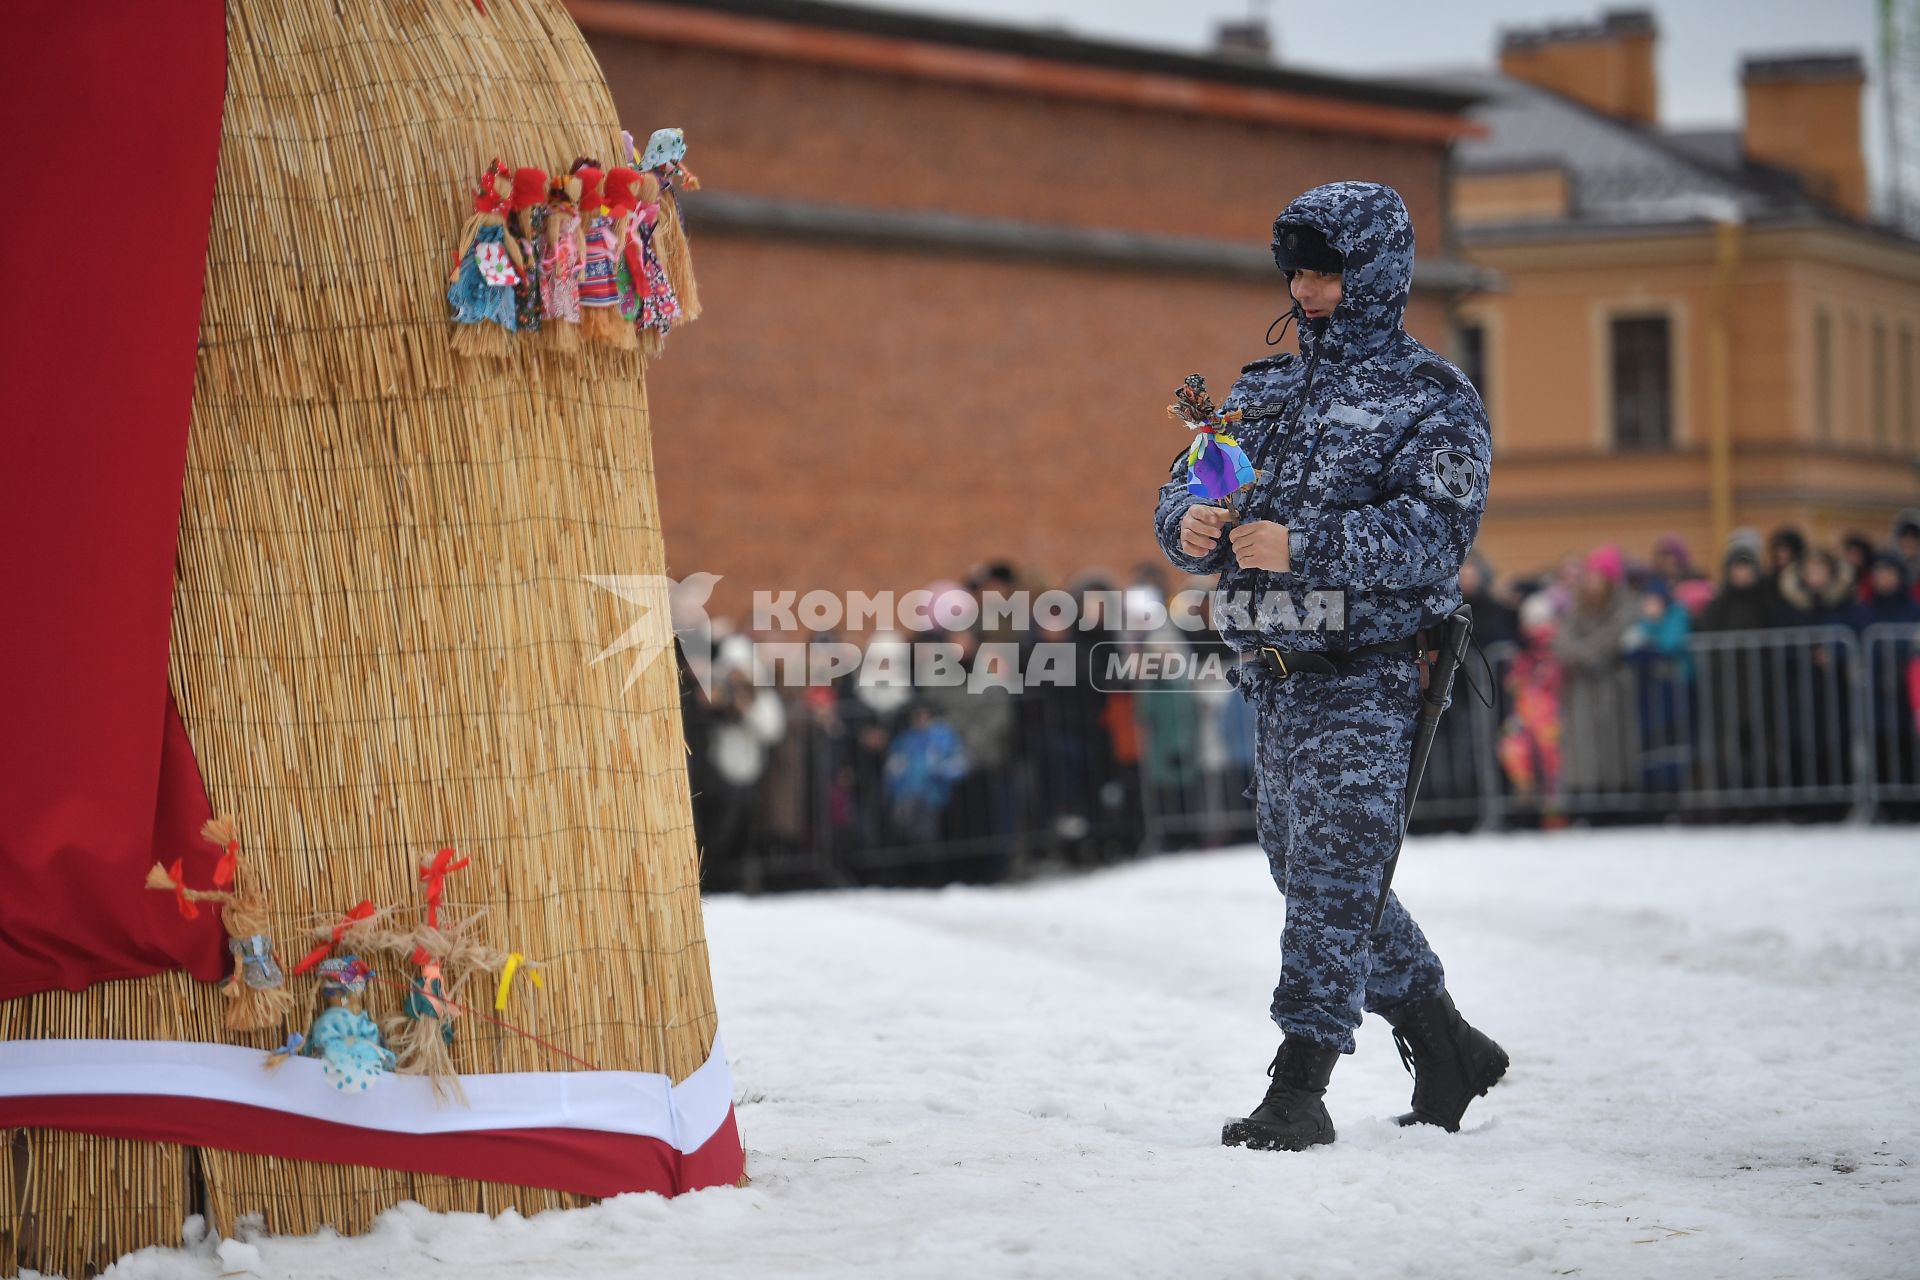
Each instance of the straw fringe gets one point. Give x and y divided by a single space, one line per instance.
382 626
670 241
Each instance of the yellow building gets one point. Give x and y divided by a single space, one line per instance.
1696 330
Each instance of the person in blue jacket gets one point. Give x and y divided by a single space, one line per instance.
1374 455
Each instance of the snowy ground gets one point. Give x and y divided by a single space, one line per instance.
1715 1038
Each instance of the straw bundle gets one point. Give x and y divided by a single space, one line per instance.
382 625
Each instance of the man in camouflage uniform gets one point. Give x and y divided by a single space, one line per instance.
1374 454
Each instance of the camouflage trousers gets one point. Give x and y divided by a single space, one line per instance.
1331 759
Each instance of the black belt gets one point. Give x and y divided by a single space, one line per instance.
1281 663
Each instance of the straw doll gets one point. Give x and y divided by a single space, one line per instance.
600 319
256 991
664 159
446 954
343 1036
528 205
486 268
563 262
422 1033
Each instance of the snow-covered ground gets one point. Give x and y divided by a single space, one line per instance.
1715 1040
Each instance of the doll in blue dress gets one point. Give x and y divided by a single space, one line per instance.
343 1037
486 270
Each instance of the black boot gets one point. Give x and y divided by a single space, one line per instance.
1452 1064
1293 1115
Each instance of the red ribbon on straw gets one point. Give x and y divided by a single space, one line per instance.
319 953
223 869
435 874
188 911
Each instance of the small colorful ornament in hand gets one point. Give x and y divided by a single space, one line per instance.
343 1037
1217 467
486 269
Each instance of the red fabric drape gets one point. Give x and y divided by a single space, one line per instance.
113 131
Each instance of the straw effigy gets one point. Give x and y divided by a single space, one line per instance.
383 630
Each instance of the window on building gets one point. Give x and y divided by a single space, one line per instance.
1853 379
1642 383
1877 389
1907 440
1823 374
1470 353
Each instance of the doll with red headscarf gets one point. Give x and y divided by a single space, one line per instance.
528 207
600 318
486 268
623 194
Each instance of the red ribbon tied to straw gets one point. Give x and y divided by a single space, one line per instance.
188 911
223 869
361 912
435 873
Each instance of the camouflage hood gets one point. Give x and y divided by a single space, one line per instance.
1368 224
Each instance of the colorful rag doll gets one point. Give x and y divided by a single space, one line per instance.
622 188
600 319
423 1035
1218 469
486 269
427 998
256 991
562 263
528 205
666 151
343 1037
660 307
646 295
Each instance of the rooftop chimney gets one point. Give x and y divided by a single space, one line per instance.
1247 41
1606 65
1803 115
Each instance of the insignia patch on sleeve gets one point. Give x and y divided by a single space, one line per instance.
1453 474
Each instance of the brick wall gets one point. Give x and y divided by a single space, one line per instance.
790 129
890 416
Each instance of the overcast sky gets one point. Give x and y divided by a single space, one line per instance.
1700 45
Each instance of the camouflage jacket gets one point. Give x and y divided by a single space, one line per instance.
1376 456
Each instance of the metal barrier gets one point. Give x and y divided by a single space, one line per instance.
1738 723
1890 690
1811 722
944 786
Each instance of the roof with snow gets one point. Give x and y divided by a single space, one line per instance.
1621 175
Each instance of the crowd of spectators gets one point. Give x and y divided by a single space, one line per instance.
1600 690
1603 685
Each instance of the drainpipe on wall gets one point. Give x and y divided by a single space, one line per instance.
1726 255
